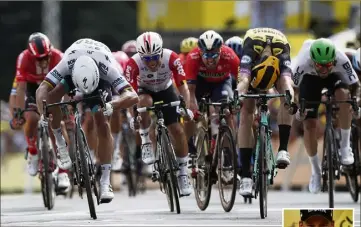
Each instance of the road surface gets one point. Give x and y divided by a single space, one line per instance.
151 209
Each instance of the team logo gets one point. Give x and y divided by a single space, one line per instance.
246 59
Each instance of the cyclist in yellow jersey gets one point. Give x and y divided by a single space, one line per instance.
265 64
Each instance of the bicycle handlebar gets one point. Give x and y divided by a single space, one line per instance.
264 97
74 102
158 106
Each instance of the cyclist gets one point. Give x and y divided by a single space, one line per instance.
31 67
265 64
354 57
236 44
130 48
150 72
186 46
319 65
209 69
116 119
88 66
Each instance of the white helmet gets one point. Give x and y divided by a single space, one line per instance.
85 74
149 43
356 61
210 40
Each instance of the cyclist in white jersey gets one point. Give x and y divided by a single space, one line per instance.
150 72
319 65
88 65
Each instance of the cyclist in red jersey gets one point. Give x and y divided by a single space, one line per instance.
31 68
130 48
209 70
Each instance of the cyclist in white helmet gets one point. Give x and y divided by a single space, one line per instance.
151 72
88 66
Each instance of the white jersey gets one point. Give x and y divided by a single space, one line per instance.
109 69
138 74
303 65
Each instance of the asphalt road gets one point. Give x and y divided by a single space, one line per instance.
151 209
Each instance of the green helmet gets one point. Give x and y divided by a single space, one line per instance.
323 51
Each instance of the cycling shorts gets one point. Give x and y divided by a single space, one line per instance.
214 90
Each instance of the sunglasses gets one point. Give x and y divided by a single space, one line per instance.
212 55
151 58
328 65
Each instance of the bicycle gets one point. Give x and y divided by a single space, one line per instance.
221 157
83 166
331 166
264 168
165 165
46 160
351 174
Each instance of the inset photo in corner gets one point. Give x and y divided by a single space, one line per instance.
314 217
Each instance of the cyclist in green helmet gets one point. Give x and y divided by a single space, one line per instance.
320 64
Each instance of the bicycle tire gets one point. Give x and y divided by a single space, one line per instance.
330 150
41 170
202 140
225 131
352 175
129 173
168 152
47 173
72 152
262 174
85 172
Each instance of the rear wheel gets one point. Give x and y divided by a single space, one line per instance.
227 167
202 181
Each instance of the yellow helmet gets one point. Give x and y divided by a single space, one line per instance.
188 44
265 74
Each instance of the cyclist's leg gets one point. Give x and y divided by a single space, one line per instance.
284 120
105 142
30 131
115 125
310 90
180 139
246 143
341 93
146 100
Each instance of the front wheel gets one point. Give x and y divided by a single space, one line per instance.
85 172
262 172
352 180
329 151
202 183
227 167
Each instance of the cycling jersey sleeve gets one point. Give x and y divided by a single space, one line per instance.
21 68
116 79
14 87
285 62
192 67
344 67
176 67
249 56
131 73
235 62
57 73
299 67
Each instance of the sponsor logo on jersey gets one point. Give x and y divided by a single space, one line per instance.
118 81
211 74
55 74
71 64
179 66
297 76
348 69
246 59
127 73
103 68
149 75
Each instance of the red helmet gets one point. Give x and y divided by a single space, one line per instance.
130 47
121 57
39 45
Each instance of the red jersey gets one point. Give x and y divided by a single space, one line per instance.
28 70
227 66
122 58
138 75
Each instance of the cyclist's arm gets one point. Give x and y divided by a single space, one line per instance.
191 70
127 96
179 76
244 74
52 79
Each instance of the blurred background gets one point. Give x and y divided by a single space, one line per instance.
113 23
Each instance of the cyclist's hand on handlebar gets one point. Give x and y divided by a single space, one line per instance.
187 114
301 116
108 109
